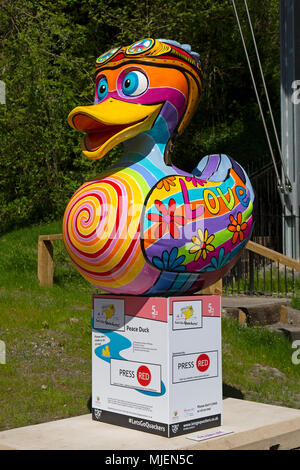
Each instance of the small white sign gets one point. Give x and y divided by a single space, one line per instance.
109 314
187 315
209 435
201 365
2 352
137 375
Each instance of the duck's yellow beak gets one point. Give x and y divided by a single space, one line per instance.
111 122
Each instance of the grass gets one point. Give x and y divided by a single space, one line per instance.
257 365
47 333
295 302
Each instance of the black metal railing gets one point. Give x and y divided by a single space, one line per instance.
255 274
269 212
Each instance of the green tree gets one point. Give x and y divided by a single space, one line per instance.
47 62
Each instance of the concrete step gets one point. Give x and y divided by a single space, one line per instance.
261 310
253 426
291 332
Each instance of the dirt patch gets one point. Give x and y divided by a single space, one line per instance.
260 370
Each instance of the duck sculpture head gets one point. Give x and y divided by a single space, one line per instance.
145 227
135 86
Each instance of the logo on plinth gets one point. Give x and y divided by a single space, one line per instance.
109 314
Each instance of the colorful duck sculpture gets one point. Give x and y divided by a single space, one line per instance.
145 227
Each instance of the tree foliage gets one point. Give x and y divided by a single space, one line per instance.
47 63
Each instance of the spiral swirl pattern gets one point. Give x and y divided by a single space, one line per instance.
102 232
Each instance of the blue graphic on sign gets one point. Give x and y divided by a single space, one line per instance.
112 349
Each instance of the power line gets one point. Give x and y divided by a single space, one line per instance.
279 182
287 182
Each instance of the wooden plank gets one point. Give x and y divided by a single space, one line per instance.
242 318
45 262
273 255
56 236
214 289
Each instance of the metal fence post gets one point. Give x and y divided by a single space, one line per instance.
251 273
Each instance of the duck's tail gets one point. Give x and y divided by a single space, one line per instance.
216 168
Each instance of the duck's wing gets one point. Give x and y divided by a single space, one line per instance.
195 223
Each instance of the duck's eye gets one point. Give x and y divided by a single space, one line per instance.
102 89
134 83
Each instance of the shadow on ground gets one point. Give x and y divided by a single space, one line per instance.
89 404
232 392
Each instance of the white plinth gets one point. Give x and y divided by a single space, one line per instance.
254 426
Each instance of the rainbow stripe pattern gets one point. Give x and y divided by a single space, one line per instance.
146 227
101 232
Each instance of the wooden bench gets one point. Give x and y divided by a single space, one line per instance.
46 263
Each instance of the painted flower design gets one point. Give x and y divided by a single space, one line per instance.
170 261
168 220
219 261
202 244
195 181
237 227
166 183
